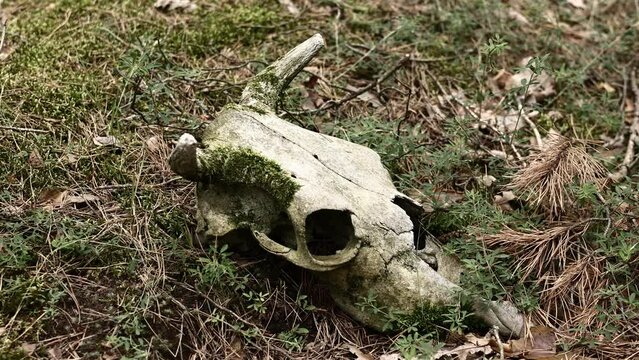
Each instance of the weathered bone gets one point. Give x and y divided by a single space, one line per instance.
320 202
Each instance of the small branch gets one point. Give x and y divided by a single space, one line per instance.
634 134
11 128
406 109
336 103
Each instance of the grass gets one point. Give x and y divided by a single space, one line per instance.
120 274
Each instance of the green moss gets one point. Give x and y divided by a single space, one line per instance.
244 166
266 87
243 107
210 31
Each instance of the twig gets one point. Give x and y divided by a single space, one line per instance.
335 103
634 134
406 110
39 131
540 143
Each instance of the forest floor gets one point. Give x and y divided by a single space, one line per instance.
97 258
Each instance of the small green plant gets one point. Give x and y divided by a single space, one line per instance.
219 270
415 346
256 301
456 318
491 50
293 339
302 301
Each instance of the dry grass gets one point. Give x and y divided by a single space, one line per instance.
551 172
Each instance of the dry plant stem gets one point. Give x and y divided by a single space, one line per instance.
533 126
634 134
3 24
20 129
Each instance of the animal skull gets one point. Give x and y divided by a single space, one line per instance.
320 202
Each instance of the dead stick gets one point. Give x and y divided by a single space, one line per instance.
39 131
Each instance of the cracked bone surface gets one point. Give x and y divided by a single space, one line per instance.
320 202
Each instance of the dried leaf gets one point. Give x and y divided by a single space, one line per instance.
580 4
172 5
367 96
80 199
517 16
52 198
486 180
288 4
606 87
29 348
445 199
359 353
35 160
312 99
55 353
461 352
540 344
105 141
154 143
394 356
69 158
237 348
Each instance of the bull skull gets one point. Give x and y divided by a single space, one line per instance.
320 202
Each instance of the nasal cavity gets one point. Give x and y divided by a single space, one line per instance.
328 231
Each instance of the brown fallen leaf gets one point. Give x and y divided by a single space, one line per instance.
538 345
81 199
606 87
237 350
472 345
154 143
35 160
580 4
359 353
393 356
518 17
290 7
55 353
52 198
367 96
28 348
105 141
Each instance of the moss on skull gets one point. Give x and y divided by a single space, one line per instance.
265 87
236 165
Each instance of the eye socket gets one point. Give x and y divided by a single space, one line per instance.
328 231
283 232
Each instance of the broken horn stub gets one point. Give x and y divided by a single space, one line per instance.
264 89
